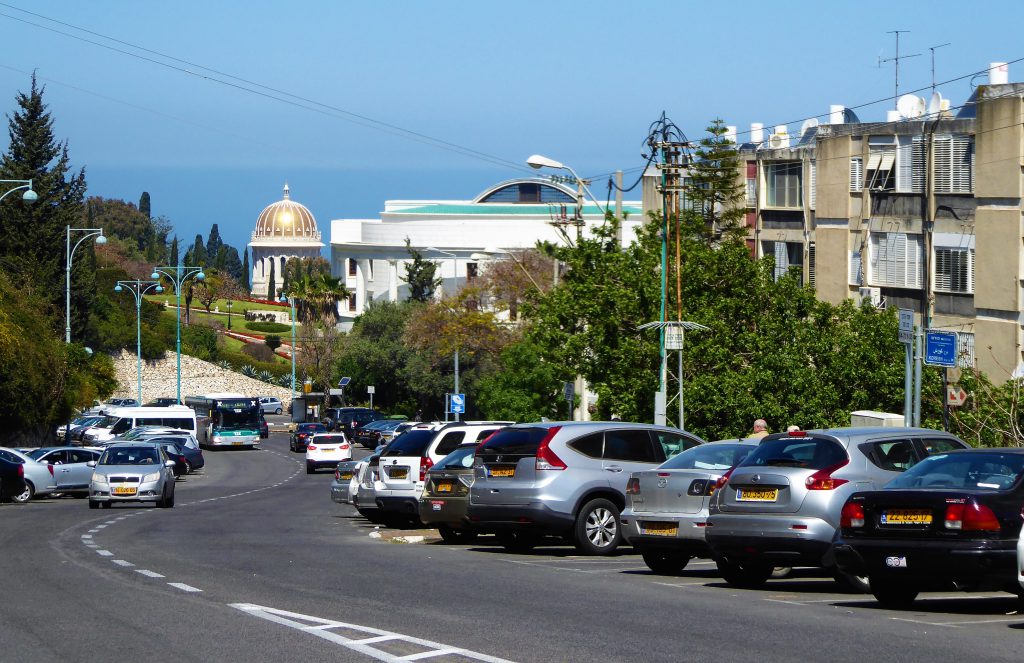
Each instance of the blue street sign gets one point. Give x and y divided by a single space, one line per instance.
940 349
458 404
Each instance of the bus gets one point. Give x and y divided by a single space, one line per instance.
226 420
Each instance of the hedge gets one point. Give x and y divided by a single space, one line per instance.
268 327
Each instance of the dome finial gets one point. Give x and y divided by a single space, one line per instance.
287 191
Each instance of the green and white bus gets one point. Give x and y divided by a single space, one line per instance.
226 420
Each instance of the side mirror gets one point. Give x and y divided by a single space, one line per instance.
169 463
90 463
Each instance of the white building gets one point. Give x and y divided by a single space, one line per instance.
370 254
285 229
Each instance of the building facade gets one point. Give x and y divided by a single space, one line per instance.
285 229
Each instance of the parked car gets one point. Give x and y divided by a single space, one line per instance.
264 428
387 435
365 498
326 450
567 479
346 481
70 467
667 507
39 478
952 521
75 424
186 445
163 401
270 404
446 495
132 472
405 461
1020 560
781 505
12 478
348 419
371 434
180 467
301 435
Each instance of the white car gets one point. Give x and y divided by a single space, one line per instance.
327 450
40 478
1020 560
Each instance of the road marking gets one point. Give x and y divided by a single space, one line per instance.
921 621
320 628
104 553
88 536
91 545
121 562
183 587
149 574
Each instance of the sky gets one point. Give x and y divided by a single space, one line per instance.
212 106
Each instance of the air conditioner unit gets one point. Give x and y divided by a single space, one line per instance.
872 295
775 141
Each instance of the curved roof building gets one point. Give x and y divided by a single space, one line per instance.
285 229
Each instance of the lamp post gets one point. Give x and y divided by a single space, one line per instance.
229 314
291 300
69 254
455 288
136 288
537 161
178 275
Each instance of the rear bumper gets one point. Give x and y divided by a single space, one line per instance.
967 564
340 492
408 506
332 463
787 540
535 515
689 537
444 510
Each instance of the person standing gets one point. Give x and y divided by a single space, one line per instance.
760 429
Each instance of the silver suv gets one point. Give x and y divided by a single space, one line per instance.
781 505
567 479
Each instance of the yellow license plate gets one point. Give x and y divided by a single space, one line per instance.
444 486
906 517
398 472
757 495
509 471
346 475
659 529
118 490
238 443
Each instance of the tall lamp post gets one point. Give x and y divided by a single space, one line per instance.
138 289
455 289
178 275
229 314
69 254
291 301
537 161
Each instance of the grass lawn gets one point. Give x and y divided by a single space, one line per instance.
238 307
231 344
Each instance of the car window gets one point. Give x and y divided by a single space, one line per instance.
413 443
708 457
591 445
629 445
461 458
964 471
803 452
674 443
891 455
81 456
121 426
511 442
54 457
449 442
330 439
7 455
940 445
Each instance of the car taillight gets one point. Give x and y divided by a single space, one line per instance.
546 458
971 518
337 475
724 479
311 447
343 446
633 486
852 515
21 471
425 465
823 479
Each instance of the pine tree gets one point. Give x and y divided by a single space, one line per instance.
32 237
245 269
174 251
715 188
144 205
420 274
213 244
272 283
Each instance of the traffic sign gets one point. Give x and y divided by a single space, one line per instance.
940 349
458 403
906 326
955 395
371 389
569 391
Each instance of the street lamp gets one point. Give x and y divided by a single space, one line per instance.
291 300
177 275
30 196
455 288
69 253
136 288
537 161
229 314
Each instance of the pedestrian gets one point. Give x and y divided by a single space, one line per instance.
792 428
419 416
760 429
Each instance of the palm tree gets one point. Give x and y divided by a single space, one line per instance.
317 297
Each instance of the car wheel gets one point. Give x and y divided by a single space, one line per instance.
106 505
665 563
893 594
310 468
169 502
188 467
452 535
518 542
25 495
852 584
749 575
597 530
277 411
93 504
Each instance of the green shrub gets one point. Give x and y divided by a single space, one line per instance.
272 341
238 360
258 351
267 327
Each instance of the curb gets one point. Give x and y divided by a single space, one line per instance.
405 536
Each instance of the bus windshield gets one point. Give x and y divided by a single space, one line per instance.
236 415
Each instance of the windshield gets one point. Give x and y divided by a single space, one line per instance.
461 458
312 428
809 453
35 454
235 415
964 471
107 422
709 457
130 456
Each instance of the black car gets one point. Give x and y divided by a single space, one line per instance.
12 479
186 447
302 434
950 522
348 419
163 401
264 428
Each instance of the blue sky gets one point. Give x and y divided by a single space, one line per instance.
577 81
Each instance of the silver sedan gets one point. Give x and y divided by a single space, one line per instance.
132 472
346 481
39 477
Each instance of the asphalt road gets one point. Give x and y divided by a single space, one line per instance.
255 563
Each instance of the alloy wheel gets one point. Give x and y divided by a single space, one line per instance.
602 526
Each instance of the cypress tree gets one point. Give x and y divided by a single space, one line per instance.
213 243
272 284
245 268
174 251
144 205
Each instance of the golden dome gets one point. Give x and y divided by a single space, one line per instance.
286 219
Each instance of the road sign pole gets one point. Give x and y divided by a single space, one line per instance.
917 377
908 383
945 400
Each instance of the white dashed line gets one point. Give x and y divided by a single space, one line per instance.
149 574
91 545
183 587
87 536
121 562
104 553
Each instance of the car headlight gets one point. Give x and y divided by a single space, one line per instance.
216 438
99 479
155 476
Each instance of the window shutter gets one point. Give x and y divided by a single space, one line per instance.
971 259
810 264
814 183
962 164
904 164
942 161
918 165
856 276
942 269
856 173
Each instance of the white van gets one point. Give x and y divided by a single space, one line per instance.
120 420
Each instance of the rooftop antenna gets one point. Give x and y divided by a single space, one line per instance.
897 59
932 49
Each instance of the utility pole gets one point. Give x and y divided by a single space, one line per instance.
897 59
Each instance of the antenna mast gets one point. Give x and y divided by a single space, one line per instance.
932 49
897 59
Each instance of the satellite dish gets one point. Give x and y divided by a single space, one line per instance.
910 106
808 125
935 104
775 141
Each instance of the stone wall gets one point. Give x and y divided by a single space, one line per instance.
159 378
